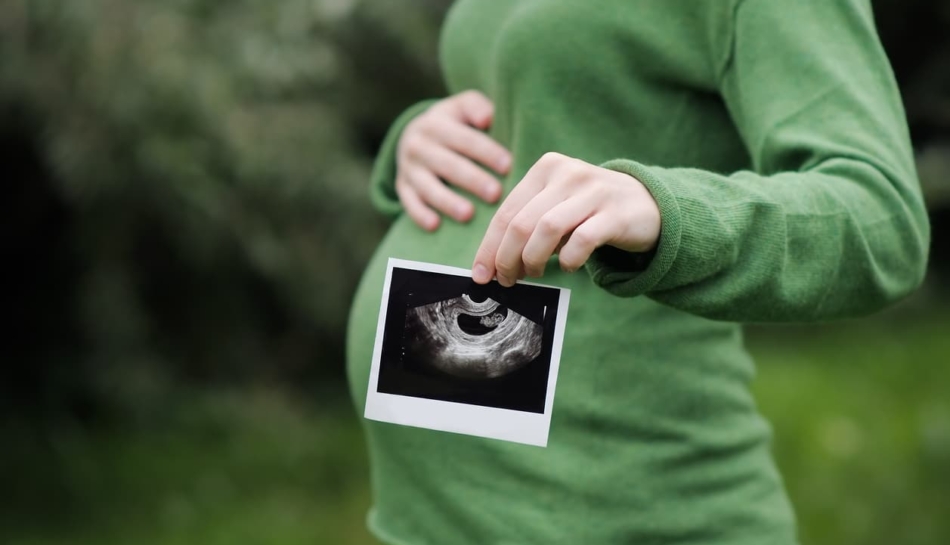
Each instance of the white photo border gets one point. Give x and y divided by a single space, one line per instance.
493 423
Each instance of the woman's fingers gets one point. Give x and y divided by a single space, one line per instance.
424 216
510 259
484 267
447 143
434 193
475 145
586 238
460 172
473 108
553 231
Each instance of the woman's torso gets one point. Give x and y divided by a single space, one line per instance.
655 437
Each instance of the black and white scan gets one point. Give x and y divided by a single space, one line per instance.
455 356
450 339
472 339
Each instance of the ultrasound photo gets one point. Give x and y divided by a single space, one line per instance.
472 339
454 355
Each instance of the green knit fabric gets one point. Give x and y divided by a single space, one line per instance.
772 135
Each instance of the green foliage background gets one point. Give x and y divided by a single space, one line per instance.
184 224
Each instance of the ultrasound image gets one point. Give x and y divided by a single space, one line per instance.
472 339
448 338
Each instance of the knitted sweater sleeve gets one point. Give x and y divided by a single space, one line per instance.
829 222
382 186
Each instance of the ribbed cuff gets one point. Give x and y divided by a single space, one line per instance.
382 184
633 280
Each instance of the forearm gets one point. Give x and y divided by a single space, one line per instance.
841 239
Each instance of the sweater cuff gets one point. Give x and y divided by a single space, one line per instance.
632 279
382 182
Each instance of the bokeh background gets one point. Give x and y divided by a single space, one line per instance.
184 219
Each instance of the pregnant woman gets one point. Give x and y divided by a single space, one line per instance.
683 167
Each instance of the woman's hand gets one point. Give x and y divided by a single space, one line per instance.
569 207
444 142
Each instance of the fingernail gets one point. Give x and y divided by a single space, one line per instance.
503 163
503 280
492 192
462 210
480 273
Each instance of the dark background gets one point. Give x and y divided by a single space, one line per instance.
401 373
183 223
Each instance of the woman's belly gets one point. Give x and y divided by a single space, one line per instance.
646 395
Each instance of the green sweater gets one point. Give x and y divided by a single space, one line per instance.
772 135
